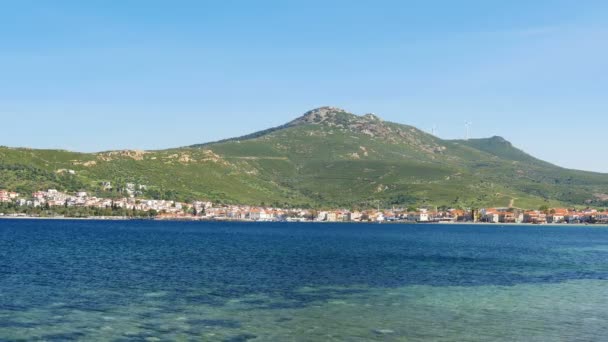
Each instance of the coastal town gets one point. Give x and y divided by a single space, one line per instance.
13 204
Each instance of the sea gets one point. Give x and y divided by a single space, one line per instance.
63 280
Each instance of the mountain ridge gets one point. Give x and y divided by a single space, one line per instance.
319 115
325 157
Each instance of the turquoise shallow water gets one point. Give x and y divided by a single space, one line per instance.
153 281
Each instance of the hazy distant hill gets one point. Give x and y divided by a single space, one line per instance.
327 157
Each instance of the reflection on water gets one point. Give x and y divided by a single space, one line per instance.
238 282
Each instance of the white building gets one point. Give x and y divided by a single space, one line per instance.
258 214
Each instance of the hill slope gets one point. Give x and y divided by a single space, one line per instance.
327 157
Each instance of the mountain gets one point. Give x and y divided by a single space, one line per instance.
327 157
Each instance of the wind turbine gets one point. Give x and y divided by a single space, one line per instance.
467 127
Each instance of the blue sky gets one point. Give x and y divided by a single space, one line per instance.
98 75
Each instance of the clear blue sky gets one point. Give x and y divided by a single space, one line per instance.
98 75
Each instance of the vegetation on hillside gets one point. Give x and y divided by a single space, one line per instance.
326 158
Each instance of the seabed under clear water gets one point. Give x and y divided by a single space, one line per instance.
151 281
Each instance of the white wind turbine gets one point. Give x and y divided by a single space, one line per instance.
467 127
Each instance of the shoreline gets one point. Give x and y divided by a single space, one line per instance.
123 218
92 218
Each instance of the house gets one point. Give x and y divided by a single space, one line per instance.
331 216
236 214
589 215
389 216
257 214
457 215
535 216
490 215
342 215
321 216
602 217
511 217
39 195
379 217
419 216
557 216
4 196
574 217
273 214
354 216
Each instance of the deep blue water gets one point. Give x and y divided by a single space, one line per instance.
216 281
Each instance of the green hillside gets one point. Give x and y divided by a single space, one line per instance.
327 157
